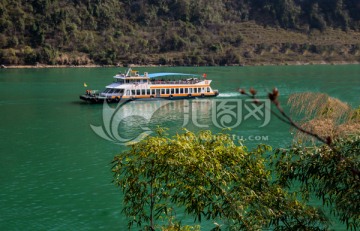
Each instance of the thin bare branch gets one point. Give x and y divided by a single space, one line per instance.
273 96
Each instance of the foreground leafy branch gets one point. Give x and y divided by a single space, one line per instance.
211 178
321 173
330 172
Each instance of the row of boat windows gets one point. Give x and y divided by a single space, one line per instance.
122 81
169 91
113 91
162 81
158 91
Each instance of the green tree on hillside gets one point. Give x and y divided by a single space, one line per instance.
192 24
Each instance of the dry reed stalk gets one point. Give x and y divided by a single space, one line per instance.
324 115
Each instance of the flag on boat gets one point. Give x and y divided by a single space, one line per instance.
204 75
85 85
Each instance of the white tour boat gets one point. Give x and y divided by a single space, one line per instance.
152 86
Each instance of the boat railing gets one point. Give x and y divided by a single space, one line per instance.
174 82
92 92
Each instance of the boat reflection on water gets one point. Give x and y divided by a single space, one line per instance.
133 121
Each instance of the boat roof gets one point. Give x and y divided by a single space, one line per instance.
113 85
154 75
161 74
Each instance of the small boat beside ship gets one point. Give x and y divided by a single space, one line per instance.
152 86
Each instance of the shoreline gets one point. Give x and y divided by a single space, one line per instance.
290 63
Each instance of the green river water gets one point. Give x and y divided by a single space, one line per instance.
55 170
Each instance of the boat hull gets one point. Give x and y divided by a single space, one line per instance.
98 99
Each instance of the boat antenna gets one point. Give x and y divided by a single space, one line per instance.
128 72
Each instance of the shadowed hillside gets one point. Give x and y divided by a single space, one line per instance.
178 32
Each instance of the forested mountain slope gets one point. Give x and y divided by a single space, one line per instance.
178 32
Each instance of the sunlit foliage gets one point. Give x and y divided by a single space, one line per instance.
209 177
331 176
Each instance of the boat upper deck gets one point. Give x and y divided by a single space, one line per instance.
189 83
132 77
183 81
132 74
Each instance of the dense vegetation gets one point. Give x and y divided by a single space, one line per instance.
211 177
178 32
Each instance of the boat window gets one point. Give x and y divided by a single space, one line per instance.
199 89
111 91
177 90
143 92
117 91
162 91
127 92
186 90
107 90
153 91
195 90
148 91
167 91
133 92
138 92
181 90
208 89
172 91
